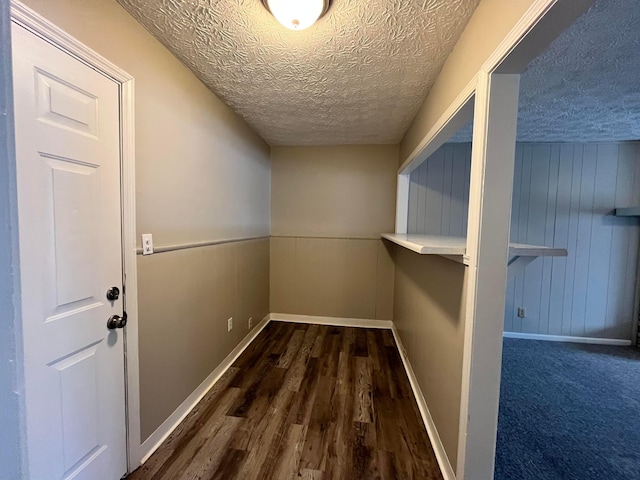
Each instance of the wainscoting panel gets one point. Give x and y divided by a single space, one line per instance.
564 195
186 297
332 277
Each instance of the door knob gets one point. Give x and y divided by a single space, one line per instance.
117 321
113 294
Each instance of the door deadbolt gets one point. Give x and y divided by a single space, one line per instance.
113 294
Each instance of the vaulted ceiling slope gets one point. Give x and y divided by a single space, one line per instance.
357 76
586 86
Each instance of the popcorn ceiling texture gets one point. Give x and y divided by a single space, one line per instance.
357 76
586 86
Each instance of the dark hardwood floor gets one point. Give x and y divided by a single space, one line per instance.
303 401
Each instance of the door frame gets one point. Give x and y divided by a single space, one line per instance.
38 25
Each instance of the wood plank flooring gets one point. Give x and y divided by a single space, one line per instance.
308 402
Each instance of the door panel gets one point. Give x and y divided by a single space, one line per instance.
65 106
74 211
77 375
68 169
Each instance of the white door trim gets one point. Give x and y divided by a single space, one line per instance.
492 167
27 18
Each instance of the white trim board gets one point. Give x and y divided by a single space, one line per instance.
490 192
210 243
336 321
454 117
40 26
151 444
53 34
432 431
566 338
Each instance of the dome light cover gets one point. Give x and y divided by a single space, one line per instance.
297 14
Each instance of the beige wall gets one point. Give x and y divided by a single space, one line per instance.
340 191
186 338
201 174
487 28
429 312
328 277
329 206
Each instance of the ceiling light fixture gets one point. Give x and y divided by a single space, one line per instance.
297 14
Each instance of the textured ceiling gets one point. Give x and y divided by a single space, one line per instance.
586 86
358 75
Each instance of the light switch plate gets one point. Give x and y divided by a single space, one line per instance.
230 324
147 244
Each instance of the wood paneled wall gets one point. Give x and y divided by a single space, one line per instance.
439 192
564 196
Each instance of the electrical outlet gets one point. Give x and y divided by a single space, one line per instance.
230 324
522 312
250 322
147 244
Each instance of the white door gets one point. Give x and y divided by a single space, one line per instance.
68 170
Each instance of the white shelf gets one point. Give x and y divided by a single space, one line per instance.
628 212
429 244
456 247
522 250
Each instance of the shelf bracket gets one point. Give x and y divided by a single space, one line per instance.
517 264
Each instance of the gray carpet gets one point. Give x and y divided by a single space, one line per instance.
568 411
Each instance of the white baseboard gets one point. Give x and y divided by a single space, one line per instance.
565 338
152 443
336 321
432 431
